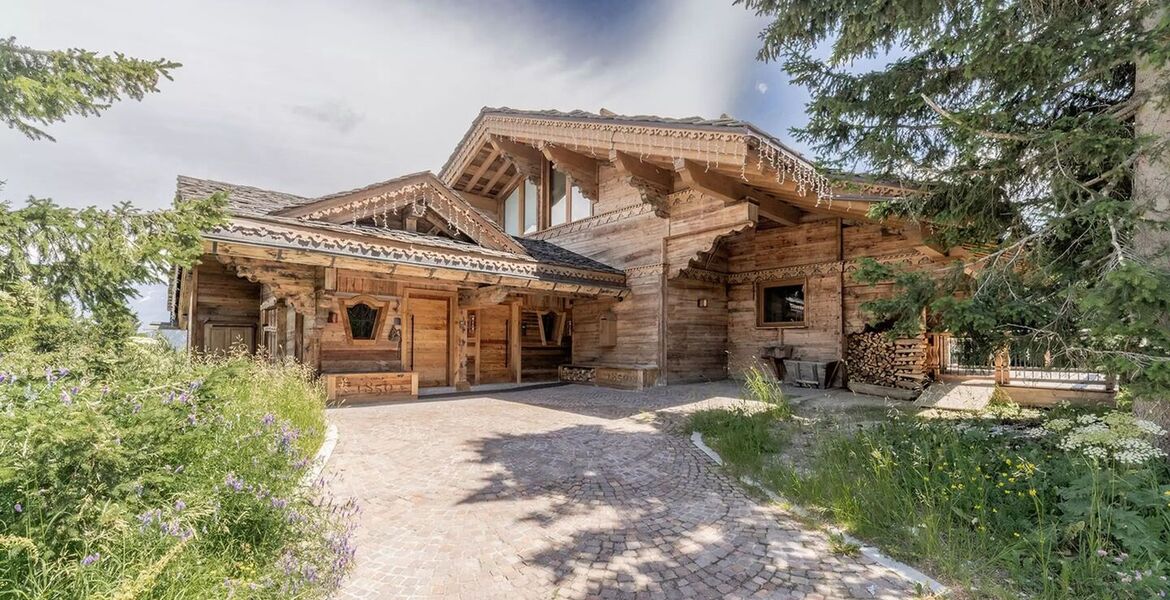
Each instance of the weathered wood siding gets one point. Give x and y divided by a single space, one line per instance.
222 298
696 337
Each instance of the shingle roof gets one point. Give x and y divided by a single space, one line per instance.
250 202
550 253
242 199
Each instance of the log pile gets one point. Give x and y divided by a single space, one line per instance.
876 359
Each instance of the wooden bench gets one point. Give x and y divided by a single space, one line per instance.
356 388
626 377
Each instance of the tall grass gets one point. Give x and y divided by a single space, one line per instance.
744 434
149 475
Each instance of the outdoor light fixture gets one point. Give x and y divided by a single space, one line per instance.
702 303
332 317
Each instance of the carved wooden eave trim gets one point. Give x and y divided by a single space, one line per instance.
611 216
730 149
283 244
708 247
823 268
422 190
703 275
641 270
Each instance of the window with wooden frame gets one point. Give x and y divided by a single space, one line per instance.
566 202
362 318
520 208
780 303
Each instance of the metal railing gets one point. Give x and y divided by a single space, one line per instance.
1022 363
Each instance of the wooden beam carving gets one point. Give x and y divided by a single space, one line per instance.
581 168
701 179
482 297
653 184
294 286
918 235
527 159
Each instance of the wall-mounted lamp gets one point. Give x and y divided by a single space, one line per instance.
332 318
702 303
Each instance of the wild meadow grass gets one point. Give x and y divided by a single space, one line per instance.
743 435
1012 505
151 475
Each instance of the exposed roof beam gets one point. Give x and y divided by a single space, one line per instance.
776 209
487 188
487 163
581 168
652 183
709 182
526 158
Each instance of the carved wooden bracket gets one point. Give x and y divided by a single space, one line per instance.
581 168
527 159
286 284
653 184
485 296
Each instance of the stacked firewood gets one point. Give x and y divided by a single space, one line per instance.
877 359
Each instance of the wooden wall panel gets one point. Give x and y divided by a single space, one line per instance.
696 338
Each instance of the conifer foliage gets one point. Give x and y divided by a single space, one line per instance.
1015 122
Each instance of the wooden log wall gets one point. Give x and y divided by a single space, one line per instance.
696 336
222 297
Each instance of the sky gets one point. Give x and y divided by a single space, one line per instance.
316 97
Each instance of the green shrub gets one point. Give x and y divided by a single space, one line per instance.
149 475
1006 510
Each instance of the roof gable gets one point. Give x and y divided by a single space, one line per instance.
418 195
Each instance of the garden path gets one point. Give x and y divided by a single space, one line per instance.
569 492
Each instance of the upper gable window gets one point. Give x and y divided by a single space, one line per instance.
520 209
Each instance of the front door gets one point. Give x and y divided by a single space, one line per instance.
430 340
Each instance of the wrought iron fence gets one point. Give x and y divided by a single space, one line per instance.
1023 362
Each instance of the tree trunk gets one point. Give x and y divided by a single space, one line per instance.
1151 194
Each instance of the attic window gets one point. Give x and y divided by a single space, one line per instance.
362 319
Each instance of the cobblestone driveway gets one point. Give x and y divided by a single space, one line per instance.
568 492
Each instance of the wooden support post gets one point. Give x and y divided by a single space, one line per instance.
461 383
514 337
1003 364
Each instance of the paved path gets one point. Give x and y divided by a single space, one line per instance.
569 492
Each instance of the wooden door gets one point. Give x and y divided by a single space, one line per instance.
429 321
494 349
223 339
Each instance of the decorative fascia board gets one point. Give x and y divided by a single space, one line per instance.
822 268
265 235
611 216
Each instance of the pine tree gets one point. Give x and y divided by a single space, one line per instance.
56 263
1029 129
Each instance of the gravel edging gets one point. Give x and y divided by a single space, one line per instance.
322 456
873 553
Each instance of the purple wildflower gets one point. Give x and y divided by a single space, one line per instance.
66 399
191 418
62 373
105 389
90 559
195 385
180 505
1101 552
17 508
234 483
74 390
136 408
279 503
268 419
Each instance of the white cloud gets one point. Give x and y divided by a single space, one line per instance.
311 97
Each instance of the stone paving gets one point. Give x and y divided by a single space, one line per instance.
569 492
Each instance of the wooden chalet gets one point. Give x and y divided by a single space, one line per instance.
595 248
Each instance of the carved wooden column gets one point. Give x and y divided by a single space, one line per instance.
514 336
461 383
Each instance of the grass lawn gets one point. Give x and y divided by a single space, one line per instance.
1010 503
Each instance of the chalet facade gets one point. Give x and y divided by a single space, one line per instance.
598 248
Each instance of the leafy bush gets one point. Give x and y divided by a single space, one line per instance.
150 475
1074 508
